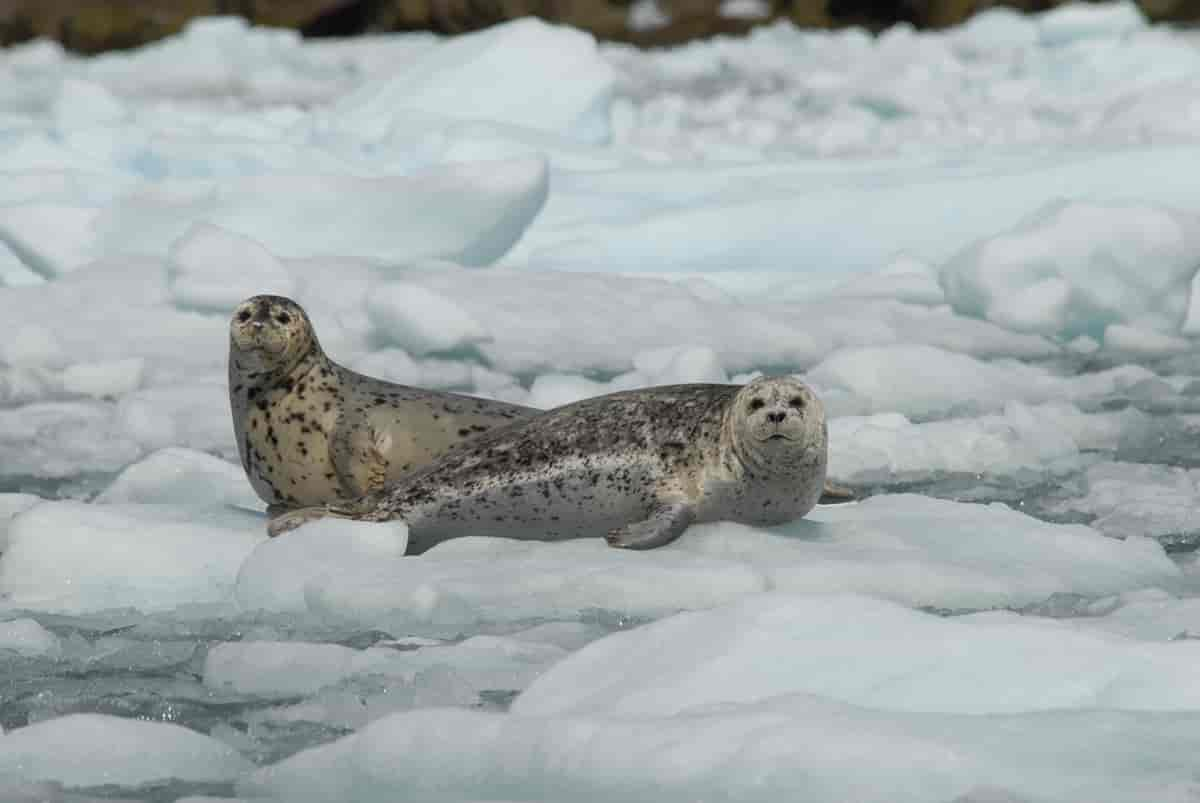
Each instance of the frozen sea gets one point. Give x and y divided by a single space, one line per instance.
979 245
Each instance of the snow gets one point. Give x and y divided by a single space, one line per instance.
96 749
979 246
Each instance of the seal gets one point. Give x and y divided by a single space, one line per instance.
310 431
637 467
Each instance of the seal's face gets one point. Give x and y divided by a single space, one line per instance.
269 334
778 421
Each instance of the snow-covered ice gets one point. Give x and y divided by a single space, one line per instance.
980 245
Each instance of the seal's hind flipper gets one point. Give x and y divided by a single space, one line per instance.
294 518
833 494
664 525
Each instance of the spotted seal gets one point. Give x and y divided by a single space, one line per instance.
637 466
310 431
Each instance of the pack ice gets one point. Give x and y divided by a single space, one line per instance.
979 245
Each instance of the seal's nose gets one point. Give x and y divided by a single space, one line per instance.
776 418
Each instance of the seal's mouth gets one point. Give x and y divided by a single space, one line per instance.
778 436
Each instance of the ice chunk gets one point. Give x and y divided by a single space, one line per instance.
83 103
11 505
214 269
1132 340
996 29
865 652
28 638
889 446
1074 268
918 379
787 748
283 669
913 549
744 9
524 72
98 750
646 15
276 574
471 213
1136 499
179 476
288 669
74 557
62 439
420 320
192 415
104 379
33 344
51 239
1076 21
680 364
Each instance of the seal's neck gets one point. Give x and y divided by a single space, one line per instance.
248 383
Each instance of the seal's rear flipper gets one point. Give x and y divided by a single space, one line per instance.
833 494
664 526
294 518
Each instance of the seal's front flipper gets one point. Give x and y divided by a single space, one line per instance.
664 526
359 455
833 494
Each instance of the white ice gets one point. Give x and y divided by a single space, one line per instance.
978 244
97 749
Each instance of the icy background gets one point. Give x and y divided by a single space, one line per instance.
979 245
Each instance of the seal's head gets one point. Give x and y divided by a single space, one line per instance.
778 423
268 335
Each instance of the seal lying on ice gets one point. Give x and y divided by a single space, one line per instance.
637 467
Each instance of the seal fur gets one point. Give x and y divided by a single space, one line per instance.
310 431
637 467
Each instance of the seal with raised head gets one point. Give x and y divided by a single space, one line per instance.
310 431
636 467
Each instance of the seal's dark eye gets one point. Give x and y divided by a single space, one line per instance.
283 318
757 404
797 402
244 316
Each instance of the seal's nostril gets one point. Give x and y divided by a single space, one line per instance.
776 418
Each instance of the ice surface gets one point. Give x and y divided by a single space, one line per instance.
26 637
276 575
421 321
70 556
1049 437
95 750
792 747
1074 269
525 73
471 214
1136 499
976 243
908 548
923 380
11 505
210 268
180 476
865 652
